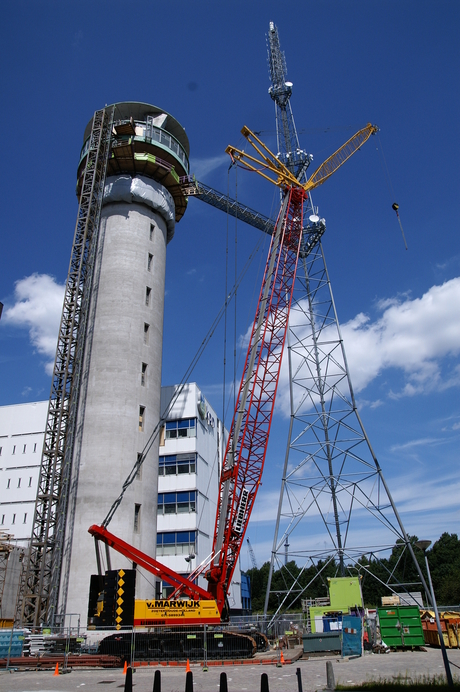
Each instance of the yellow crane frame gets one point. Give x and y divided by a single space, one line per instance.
269 166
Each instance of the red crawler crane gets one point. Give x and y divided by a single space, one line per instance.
250 428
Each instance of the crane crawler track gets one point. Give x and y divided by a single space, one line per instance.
181 644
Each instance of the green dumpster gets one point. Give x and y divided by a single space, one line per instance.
401 626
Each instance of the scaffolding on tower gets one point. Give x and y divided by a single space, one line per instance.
40 582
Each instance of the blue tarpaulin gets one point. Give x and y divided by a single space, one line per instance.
352 629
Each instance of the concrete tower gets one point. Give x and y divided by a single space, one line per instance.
121 384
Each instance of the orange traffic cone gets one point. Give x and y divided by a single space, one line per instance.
56 670
125 667
282 657
187 667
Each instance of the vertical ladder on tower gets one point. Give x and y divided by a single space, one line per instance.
39 590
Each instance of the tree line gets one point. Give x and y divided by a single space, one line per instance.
397 569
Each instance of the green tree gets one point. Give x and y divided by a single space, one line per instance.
444 560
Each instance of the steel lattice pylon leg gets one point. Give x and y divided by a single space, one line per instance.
39 591
332 480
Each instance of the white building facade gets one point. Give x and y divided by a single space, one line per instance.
191 447
22 430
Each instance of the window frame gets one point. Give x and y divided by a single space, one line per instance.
176 502
141 418
180 428
177 464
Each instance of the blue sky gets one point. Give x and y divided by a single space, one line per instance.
393 63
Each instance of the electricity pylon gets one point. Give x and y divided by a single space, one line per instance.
334 504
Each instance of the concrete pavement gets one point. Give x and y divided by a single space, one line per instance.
240 678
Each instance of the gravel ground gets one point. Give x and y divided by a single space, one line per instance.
240 678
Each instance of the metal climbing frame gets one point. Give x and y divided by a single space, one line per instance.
334 502
39 590
332 484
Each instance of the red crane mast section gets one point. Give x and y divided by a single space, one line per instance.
248 439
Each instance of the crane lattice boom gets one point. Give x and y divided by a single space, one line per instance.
249 432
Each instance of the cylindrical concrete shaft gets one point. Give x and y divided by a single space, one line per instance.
121 404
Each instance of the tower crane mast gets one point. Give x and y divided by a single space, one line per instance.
289 151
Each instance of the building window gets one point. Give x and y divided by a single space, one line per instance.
177 503
181 428
146 333
176 543
14 519
139 469
149 262
8 482
14 449
152 231
144 374
148 291
35 447
137 518
24 449
19 482
25 518
30 481
141 418
176 464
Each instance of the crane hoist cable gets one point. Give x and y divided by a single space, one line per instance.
386 172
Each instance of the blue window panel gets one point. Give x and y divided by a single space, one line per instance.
170 498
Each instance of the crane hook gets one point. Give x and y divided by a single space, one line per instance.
395 206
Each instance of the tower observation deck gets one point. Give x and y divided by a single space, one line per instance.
146 141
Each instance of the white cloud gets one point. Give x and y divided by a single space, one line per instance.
415 337
38 307
411 335
425 507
